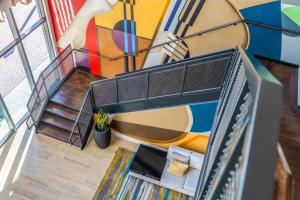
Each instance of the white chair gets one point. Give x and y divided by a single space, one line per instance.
185 184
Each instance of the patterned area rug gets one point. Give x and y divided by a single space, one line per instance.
117 185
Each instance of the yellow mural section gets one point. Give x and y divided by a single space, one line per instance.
147 15
193 142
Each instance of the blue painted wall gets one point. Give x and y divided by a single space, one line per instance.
265 42
203 115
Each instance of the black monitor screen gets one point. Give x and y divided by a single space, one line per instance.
149 162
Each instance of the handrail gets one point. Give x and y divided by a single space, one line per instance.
204 56
199 33
78 116
164 43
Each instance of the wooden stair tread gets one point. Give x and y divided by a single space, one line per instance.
62 111
72 92
57 133
63 107
71 104
58 122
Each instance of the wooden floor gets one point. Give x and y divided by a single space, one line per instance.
290 126
61 112
38 167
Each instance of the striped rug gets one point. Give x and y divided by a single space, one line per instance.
117 185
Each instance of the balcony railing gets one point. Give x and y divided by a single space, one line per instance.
195 79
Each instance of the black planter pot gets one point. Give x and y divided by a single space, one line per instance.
102 139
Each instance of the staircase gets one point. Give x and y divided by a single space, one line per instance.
65 96
63 107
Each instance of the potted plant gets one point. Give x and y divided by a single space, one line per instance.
102 132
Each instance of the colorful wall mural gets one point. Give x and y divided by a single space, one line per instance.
112 28
187 126
274 44
116 27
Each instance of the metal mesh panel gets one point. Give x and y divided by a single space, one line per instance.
85 116
50 68
30 105
64 54
52 81
67 65
200 76
105 92
166 82
36 102
46 82
32 100
62 64
81 58
29 122
39 83
38 109
132 88
43 92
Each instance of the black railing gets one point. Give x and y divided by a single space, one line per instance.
47 83
84 121
161 86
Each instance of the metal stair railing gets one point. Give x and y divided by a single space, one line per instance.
47 83
84 121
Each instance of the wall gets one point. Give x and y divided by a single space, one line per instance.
113 28
186 126
125 26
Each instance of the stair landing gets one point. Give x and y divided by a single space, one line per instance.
63 107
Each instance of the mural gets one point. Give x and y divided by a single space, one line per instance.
117 27
274 44
108 27
131 25
186 126
186 17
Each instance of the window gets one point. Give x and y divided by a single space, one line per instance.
25 50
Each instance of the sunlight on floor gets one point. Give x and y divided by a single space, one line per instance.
25 151
10 158
1 149
40 167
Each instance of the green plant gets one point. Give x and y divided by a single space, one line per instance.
102 123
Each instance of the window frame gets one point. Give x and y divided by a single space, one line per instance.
18 44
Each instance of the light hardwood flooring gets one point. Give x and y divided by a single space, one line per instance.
39 167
